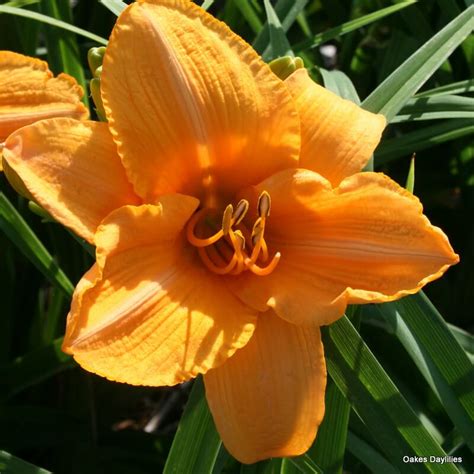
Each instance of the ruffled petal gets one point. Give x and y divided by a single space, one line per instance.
337 136
366 241
71 169
29 92
268 399
148 313
191 106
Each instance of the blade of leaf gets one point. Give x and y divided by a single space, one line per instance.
368 455
391 421
287 10
63 49
115 6
34 367
279 45
422 139
250 15
53 22
390 96
437 354
340 84
410 184
305 464
351 25
10 464
435 108
328 450
196 444
21 235
461 87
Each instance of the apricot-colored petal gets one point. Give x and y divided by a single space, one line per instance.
191 106
71 169
29 92
337 136
149 313
268 399
366 241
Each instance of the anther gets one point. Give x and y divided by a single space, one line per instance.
227 219
264 204
240 211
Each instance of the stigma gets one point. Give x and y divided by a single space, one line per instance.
233 248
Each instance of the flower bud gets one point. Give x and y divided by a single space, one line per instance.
95 57
285 66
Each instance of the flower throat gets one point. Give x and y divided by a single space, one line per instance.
233 249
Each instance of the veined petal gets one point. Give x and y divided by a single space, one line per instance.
366 241
29 92
191 106
268 399
149 313
71 169
337 136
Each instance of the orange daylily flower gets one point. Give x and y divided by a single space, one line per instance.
230 221
29 92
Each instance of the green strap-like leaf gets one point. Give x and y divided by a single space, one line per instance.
196 443
53 22
305 465
396 90
287 11
422 139
21 235
329 448
410 183
387 415
63 49
437 354
368 455
340 84
248 12
435 108
115 6
351 25
279 45
10 464
35 367
461 87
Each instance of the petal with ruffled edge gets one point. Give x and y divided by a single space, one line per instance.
366 241
71 169
149 313
268 399
191 106
29 92
337 136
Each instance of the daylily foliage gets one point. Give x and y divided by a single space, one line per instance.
231 221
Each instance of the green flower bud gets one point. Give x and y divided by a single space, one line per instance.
95 57
285 66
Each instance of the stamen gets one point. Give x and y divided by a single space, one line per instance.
265 270
264 204
225 252
196 241
227 219
212 266
240 211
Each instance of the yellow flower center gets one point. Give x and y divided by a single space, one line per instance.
225 252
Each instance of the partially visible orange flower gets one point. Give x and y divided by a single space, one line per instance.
29 92
230 221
